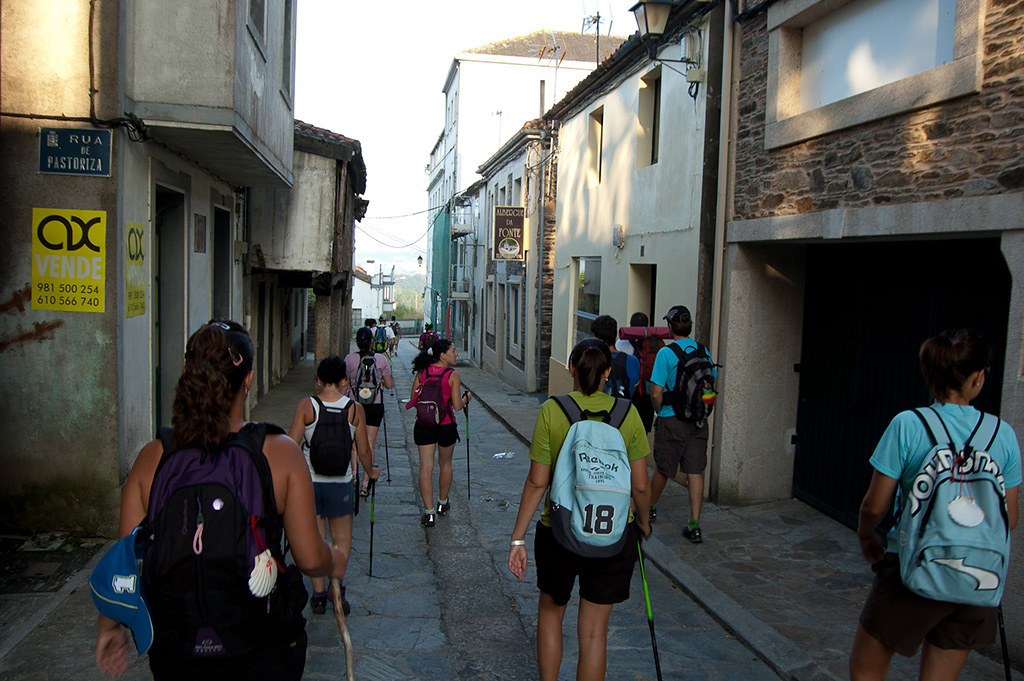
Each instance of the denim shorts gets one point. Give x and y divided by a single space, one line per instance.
334 499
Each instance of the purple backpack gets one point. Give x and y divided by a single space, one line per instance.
211 514
431 407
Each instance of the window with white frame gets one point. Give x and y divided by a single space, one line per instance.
517 191
587 296
833 64
513 315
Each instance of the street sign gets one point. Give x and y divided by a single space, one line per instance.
75 151
509 233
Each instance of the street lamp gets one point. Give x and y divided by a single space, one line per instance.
419 260
651 16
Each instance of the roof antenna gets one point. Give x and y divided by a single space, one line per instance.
595 21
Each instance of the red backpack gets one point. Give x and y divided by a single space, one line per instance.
646 341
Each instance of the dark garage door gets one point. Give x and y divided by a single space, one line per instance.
867 309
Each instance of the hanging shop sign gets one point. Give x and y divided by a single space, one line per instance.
134 270
68 259
509 233
75 151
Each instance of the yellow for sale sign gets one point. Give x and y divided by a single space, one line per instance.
68 259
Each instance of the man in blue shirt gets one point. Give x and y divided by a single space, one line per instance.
678 445
625 373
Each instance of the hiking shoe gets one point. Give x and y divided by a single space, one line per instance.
318 603
427 520
652 514
693 535
364 490
442 509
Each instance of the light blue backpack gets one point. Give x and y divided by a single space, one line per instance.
954 533
590 490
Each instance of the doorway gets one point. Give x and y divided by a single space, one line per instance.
867 309
169 244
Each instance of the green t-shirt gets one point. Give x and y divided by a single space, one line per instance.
552 426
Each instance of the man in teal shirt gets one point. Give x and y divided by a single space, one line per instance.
678 444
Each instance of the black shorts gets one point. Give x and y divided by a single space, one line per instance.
444 436
901 619
374 414
283 662
602 580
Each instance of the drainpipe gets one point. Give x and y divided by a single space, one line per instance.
540 259
724 175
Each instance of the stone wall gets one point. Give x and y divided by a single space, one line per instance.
969 146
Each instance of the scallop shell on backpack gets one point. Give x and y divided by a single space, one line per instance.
263 577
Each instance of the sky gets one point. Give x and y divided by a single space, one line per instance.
373 71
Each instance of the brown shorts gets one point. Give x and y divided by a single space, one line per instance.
680 445
901 619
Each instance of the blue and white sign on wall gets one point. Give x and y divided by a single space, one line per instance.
75 151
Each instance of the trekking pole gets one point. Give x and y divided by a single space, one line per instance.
373 496
469 491
346 640
1002 640
650 615
384 425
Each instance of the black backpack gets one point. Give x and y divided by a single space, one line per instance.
617 384
330 447
210 515
693 396
366 385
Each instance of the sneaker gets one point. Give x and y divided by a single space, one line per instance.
318 603
442 509
364 490
427 520
652 514
345 607
694 535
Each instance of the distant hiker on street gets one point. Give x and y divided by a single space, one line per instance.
198 487
679 383
939 574
396 328
369 373
604 548
625 372
382 336
436 395
326 427
645 350
427 338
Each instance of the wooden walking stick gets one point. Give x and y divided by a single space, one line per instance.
339 615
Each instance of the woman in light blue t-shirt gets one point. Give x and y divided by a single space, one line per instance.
894 619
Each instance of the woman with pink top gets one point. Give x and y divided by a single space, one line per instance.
436 394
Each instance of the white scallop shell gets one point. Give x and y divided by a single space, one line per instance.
263 577
965 512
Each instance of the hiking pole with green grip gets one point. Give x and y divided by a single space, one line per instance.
650 615
465 410
373 497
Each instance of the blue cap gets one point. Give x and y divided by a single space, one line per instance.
116 587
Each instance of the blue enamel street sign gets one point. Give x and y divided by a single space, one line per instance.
75 151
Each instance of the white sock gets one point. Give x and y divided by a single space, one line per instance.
442 501
428 511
